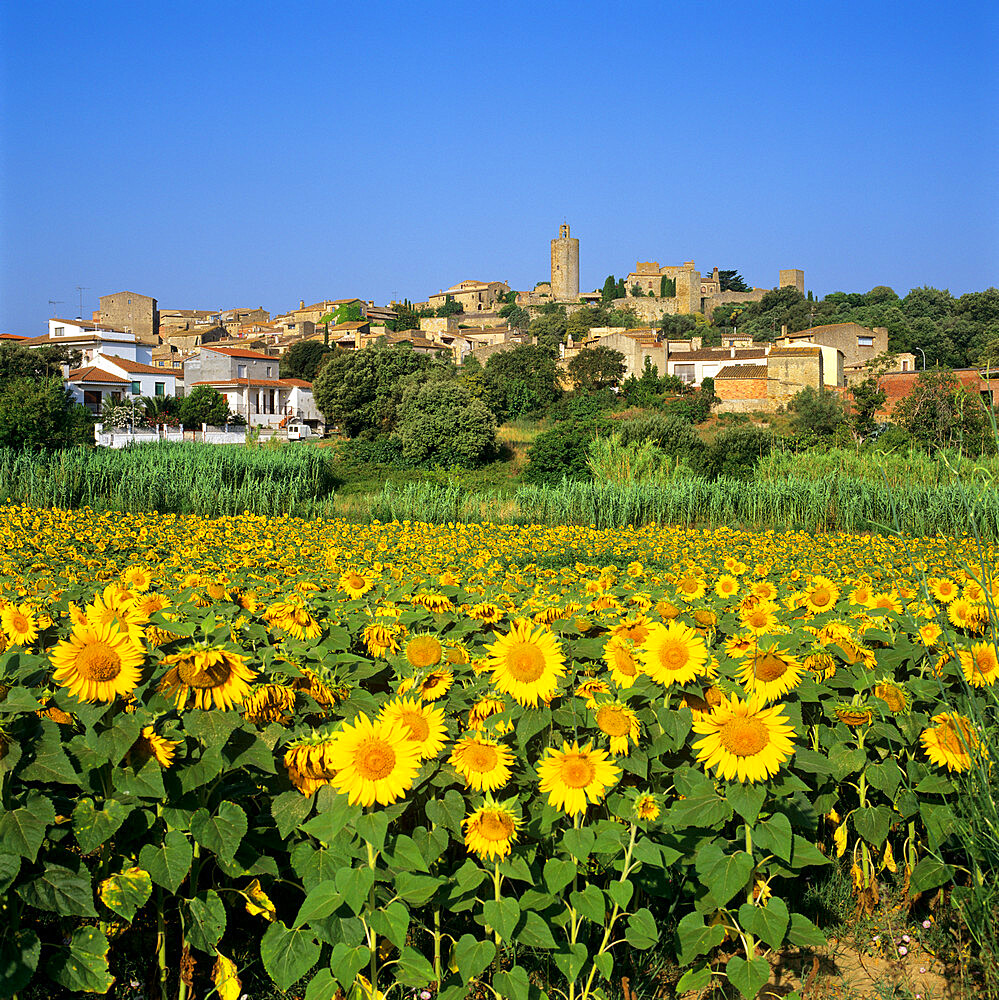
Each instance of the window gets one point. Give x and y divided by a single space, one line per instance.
59 331
160 389
269 370
865 342
685 373
136 388
241 371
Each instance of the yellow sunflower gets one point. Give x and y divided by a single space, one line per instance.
951 741
647 807
150 745
744 740
381 639
213 676
590 688
574 775
270 703
526 663
636 629
355 584
761 619
769 673
491 829
424 724
673 654
482 711
821 595
619 655
435 685
97 663
373 761
979 664
424 651
854 715
19 623
894 696
483 763
619 723
943 589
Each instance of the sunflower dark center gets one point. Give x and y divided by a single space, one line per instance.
673 655
577 771
744 737
98 662
374 759
769 667
525 662
495 825
613 721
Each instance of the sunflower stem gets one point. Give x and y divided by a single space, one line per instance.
372 936
438 972
161 947
750 939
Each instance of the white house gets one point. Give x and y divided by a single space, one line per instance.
146 380
91 339
267 402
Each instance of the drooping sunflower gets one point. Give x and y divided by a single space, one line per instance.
381 639
574 775
979 664
19 623
97 662
635 629
951 741
770 673
424 724
484 763
373 761
853 714
700 704
270 703
526 663
482 711
150 745
619 723
305 761
673 654
491 829
424 650
213 676
743 740
619 655
894 696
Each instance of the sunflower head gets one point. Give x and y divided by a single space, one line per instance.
647 808
423 651
896 697
491 830
853 715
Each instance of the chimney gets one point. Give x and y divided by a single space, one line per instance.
783 329
732 350
301 303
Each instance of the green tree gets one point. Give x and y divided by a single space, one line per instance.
609 292
667 287
868 396
596 368
550 331
560 452
517 316
817 411
450 307
619 291
204 404
360 391
731 281
41 413
636 290
940 413
304 359
524 379
441 422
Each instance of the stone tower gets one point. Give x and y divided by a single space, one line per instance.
565 266
793 277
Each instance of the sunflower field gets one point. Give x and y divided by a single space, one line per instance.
468 759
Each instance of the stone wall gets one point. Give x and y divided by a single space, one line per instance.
741 388
137 313
791 370
565 267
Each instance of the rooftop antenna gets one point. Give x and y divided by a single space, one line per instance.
81 289
55 302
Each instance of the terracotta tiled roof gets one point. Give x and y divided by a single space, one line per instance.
348 327
806 351
134 366
720 354
743 371
11 336
92 374
259 383
236 352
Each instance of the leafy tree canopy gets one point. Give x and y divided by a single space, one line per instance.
731 281
304 359
204 404
524 379
442 422
596 368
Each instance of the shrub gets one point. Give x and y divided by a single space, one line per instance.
674 436
442 422
560 452
734 452
817 411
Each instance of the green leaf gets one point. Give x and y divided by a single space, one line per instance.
321 901
206 920
472 956
928 874
331 818
885 777
83 966
289 954
696 938
212 729
935 784
127 892
413 969
570 959
354 884
535 933
590 903
61 891
767 922
558 874
812 762
872 824
620 893
222 833
50 763
94 827
19 954
804 933
115 742
502 915
706 810
10 865
23 830
392 922
346 962
805 853
416 889
845 761
746 799
723 875
579 842
694 980
747 977
146 783
447 812
530 723
642 931
773 836
322 986
406 855
289 811
168 865
511 984
371 828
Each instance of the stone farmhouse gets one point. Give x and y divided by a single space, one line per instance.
472 296
133 312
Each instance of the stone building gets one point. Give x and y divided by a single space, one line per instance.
744 388
858 343
133 312
565 266
472 296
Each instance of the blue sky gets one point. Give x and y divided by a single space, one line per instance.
219 154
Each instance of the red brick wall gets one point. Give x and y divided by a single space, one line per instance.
741 388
